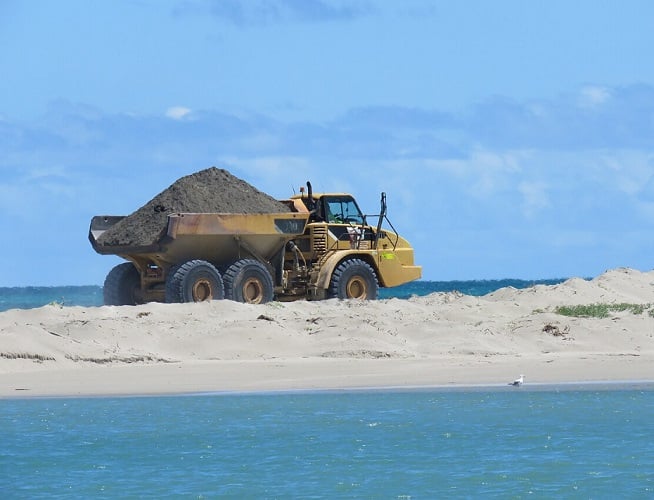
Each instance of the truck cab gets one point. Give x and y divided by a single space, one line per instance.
340 240
337 209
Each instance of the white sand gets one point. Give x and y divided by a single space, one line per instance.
444 339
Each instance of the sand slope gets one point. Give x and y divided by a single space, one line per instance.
440 339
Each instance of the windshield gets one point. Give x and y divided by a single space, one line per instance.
342 210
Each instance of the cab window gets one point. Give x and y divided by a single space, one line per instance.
342 210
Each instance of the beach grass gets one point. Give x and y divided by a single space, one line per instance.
602 310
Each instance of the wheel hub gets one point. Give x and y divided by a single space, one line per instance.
252 291
357 289
202 291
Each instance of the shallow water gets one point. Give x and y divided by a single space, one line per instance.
377 444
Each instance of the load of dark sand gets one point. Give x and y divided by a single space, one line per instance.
212 190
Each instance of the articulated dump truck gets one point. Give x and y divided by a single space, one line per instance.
324 247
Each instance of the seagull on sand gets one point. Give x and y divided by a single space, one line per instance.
518 382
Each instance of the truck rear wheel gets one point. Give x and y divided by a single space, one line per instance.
354 279
249 281
194 281
121 285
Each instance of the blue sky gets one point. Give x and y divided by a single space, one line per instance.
513 139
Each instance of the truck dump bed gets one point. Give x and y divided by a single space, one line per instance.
210 236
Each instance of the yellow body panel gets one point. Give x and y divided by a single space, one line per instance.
392 271
231 224
393 262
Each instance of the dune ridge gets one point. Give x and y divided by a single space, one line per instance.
440 339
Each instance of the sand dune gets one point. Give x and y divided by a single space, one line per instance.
440 339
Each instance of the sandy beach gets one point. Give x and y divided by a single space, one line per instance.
443 339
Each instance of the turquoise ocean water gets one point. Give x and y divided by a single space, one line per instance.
37 296
505 443
564 441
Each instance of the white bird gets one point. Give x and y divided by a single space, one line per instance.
518 381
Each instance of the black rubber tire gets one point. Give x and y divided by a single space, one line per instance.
354 279
121 284
249 281
194 281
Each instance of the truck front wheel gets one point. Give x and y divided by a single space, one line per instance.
354 279
121 285
249 281
194 281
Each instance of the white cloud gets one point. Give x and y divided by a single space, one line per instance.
41 172
260 141
178 112
492 172
279 176
631 170
593 96
267 12
535 197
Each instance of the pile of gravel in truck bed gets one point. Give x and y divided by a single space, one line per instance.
212 190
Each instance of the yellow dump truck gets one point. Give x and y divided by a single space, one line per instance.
324 247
